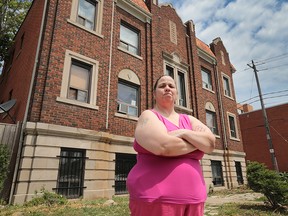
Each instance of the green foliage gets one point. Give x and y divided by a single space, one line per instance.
4 164
47 198
12 14
268 182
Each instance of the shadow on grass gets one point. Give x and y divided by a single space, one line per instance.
263 208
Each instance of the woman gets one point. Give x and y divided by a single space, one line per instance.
167 179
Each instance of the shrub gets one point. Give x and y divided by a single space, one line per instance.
4 164
270 183
46 198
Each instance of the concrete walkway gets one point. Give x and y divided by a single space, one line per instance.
213 202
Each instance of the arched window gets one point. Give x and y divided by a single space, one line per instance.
211 120
128 98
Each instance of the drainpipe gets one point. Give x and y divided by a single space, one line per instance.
147 62
225 144
21 141
109 67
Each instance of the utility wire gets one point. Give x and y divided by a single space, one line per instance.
276 92
279 134
271 58
272 67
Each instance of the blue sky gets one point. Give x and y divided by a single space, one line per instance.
251 30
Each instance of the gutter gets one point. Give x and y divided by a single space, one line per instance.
225 145
109 67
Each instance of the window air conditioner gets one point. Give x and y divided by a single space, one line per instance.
123 108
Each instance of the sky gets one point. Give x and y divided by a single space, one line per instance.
250 30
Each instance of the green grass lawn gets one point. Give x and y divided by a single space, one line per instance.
120 208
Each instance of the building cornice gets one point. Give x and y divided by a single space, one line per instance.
134 10
202 54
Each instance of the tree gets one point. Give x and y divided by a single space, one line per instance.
12 14
273 185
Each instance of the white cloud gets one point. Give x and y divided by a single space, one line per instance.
251 30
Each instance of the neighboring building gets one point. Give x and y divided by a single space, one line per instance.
255 140
82 72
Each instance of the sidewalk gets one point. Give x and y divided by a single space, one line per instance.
213 202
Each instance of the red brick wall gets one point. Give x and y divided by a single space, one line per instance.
18 78
254 136
229 105
60 35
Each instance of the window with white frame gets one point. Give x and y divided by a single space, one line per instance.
79 80
232 126
211 119
226 86
129 38
180 77
206 79
182 89
87 14
128 98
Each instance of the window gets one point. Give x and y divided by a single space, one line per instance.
180 78
79 80
211 122
123 165
129 39
239 173
71 173
128 98
217 173
169 71
181 89
226 86
206 79
232 126
87 14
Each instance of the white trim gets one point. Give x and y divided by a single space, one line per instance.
236 126
130 53
229 83
98 18
69 56
202 54
134 10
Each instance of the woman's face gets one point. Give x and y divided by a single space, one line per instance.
165 90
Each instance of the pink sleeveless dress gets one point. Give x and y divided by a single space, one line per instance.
177 180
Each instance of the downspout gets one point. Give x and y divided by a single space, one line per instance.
16 172
225 145
109 67
193 81
151 56
147 63
190 63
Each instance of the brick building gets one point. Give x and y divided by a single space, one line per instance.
255 140
82 72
